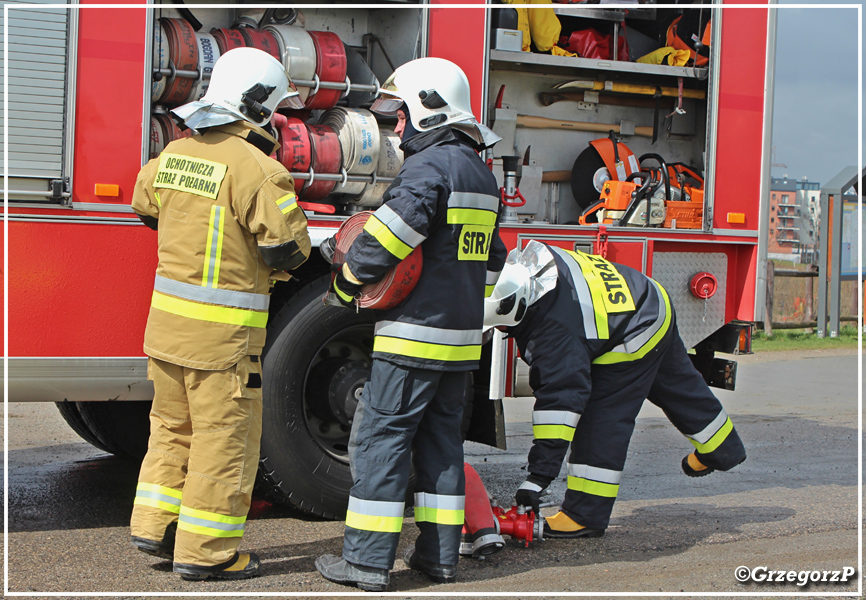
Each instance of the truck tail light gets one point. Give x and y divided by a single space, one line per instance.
745 344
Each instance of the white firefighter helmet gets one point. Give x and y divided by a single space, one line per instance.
507 304
435 90
436 93
528 275
246 83
251 84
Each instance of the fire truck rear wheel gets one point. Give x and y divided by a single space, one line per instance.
119 428
311 382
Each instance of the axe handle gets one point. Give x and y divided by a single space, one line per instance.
633 88
545 123
548 98
557 176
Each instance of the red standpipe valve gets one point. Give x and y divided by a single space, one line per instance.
519 523
703 285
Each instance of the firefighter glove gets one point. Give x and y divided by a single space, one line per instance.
345 290
530 491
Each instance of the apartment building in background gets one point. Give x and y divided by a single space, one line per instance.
795 211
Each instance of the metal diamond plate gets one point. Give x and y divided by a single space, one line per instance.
696 318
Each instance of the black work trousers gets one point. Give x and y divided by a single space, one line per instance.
667 378
406 414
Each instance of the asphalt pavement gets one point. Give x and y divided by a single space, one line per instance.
790 509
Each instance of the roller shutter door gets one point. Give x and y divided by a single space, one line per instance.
39 94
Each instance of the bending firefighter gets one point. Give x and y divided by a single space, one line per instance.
599 339
445 200
228 225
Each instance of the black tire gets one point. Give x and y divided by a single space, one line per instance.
119 428
313 351
70 413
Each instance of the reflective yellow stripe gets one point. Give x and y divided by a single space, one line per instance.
208 312
386 237
158 201
215 517
159 489
211 524
153 502
442 516
596 488
426 350
213 256
488 290
371 523
287 203
715 441
553 432
346 297
470 216
617 357
201 529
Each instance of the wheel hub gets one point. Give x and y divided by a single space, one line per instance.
345 389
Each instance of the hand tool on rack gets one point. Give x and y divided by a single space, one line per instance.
547 123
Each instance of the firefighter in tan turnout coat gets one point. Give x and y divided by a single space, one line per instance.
229 225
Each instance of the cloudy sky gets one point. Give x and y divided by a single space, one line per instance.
816 96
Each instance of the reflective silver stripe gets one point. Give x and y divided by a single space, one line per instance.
213 255
430 335
702 437
595 474
157 496
286 202
439 501
555 417
398 226
492 277
637 342
184 518
473 200
528 485
375 508
197 293
583 294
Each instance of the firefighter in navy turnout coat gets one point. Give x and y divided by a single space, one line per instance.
446 200
600 338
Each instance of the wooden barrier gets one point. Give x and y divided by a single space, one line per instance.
769 324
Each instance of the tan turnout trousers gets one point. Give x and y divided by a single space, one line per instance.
202 457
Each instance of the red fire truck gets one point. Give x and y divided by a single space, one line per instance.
87 99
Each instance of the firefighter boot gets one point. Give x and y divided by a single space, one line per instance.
339 570
561 525
240 566
433 571
163 549
694 467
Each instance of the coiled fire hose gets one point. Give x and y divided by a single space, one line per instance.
160 61
358 133
397 283
390 161
297 53
183 56
208 54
